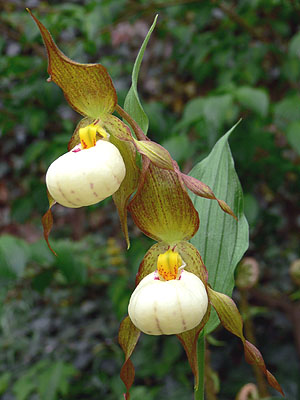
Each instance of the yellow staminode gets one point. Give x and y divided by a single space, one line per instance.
168 264
88 135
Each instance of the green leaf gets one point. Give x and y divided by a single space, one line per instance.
13 257
69 262
43 280
46 378
294 45
55 379
221 240
293 135
193 111
179 147
132 104
251 208
216 108
286 111
254 99
4 381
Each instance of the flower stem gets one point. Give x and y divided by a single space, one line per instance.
199 392
135 127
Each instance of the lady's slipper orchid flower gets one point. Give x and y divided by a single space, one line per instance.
89 90
87 174
163 210
170 300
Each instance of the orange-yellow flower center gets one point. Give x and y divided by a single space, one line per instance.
88 135
168 264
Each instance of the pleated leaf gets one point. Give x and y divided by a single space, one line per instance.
221 240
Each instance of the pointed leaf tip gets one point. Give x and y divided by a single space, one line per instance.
132 103
220 239
87 87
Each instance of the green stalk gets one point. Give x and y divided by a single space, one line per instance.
199 392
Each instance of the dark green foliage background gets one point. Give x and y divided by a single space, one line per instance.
208 63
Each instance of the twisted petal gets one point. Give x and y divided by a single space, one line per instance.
87 87
128 338
47 221
232 321
129 184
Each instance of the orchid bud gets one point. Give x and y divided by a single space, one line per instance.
247 273
172 305
86 175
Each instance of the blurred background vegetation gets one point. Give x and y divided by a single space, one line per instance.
208 64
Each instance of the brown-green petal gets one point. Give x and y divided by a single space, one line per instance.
75 139
115 127
193 260
128 338
129 184
149 262
157 154
87 87
189 340
162 208
47 221
232 321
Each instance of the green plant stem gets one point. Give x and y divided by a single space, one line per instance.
135 127
199 392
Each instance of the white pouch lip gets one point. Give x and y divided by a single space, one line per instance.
85 177
159 307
